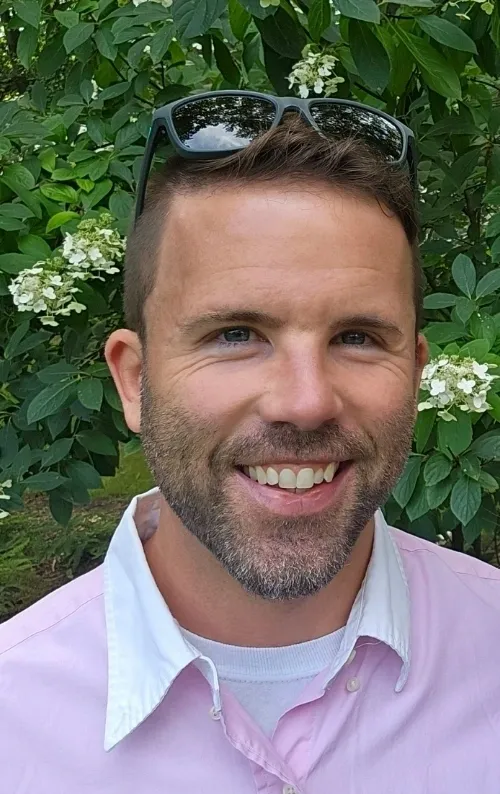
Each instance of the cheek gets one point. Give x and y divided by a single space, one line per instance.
379 394
221 392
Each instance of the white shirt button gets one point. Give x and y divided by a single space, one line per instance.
353 685
214 713
289 790
352 656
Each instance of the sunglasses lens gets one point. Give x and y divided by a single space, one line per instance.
349 121
222 123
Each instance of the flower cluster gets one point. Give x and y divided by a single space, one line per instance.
3 495
49 286
451 382
267 3
94 249
487 6
315 72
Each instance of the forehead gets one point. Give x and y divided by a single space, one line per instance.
281 248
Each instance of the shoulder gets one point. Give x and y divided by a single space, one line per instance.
66 609
453 573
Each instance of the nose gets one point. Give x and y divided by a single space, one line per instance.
301 391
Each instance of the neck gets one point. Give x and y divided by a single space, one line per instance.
205 600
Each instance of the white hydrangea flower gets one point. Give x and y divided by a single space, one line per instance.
315 72
94 249
267 3
95 92
452 381
46 288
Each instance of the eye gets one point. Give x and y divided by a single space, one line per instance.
355 338
235 336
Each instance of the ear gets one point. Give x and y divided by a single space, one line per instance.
124 355
421 358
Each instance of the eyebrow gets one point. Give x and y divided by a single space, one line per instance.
224 317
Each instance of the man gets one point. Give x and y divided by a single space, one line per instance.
256 625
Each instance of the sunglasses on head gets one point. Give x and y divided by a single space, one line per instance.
219 123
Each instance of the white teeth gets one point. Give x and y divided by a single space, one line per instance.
305 478
318 477
273 477
288 479
329 472
261 475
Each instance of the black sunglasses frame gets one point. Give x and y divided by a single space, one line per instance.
162 126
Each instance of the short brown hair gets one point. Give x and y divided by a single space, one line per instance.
293 153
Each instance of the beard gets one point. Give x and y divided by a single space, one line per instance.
273 557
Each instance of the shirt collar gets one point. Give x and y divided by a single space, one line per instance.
147 651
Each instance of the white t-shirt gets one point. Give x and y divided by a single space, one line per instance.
268 681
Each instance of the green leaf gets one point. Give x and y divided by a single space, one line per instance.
493 227
160 42
470 466
320 17
50 400
440 300
12 224
31 341
282 34
97 442
436 71
77 35
493 197
418 504
83 472
446 33
194 17
34 246
437 468
464 308
404 489
44 481
256 10
488 284
64 193
437 493
423 428
487 446
464 274
113 91
55 373
440 333
15 210
68 19
56 452
121 204
60 508
15 339
370 57
225 63
239 19
59 219
14 263
105 43
478 348
17 175
112 396
487 482
26 45
365 10
90 393
29 11
465 499
94 197
455 436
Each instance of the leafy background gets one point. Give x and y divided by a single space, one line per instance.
78 82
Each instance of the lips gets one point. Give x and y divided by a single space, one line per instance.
291 477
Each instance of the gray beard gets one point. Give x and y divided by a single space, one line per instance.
273 557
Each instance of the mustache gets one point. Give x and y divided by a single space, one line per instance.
283 440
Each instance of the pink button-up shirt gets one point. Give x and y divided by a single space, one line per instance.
101 694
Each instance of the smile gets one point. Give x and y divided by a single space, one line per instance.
292 477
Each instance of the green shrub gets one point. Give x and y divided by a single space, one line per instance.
78 83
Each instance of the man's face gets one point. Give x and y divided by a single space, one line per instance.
280 347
